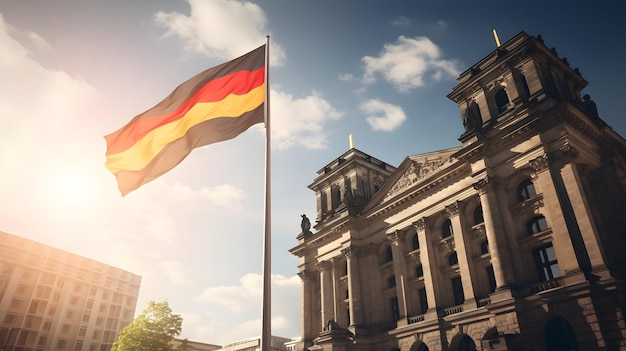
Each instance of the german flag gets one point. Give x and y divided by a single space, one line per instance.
215 105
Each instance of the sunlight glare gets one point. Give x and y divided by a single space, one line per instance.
72 188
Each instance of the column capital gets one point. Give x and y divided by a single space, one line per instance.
420 224
453 209
568 153
324 265
540 163
305 275
482 185
393 237
347 251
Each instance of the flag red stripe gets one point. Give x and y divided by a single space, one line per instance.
237 83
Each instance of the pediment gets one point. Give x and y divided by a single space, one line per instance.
418 168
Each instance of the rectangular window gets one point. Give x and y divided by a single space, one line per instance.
395 309
423 300
457 291
491 277
546 262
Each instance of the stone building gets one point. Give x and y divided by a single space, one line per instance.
51 299
513 240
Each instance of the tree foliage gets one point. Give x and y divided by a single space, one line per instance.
152 330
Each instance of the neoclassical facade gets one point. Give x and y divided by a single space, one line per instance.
513 240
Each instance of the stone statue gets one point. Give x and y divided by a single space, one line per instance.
305 224
472 119
590 107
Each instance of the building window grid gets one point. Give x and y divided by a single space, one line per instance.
546 262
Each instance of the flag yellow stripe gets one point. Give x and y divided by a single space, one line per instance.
139 155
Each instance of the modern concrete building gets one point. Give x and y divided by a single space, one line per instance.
513 240
51 299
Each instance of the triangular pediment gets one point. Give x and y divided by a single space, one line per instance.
416 169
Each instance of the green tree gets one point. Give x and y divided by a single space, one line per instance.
152 330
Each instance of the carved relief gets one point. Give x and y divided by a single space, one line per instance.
416 172
420 224
540 164
453 209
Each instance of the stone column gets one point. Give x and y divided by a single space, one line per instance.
462 245
429 264
399 271
308 327
588 244
354 288
326 291
500 257
553 190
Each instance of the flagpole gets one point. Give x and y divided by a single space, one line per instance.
266 323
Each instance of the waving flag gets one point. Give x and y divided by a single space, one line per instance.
215 105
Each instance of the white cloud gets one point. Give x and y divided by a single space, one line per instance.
382 116
300 121
221 28
346 77
401 21
234 299
409 63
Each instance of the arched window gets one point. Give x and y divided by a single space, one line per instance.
526 190
536 224
446 229
388 254
484 247
453 259
502 100
415 242
525 88
478 215
423 347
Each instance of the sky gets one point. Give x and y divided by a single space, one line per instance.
72 71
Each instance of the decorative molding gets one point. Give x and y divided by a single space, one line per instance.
453 209
447 245
478 231
347 252
420 224
414 256
324 265
568 153
540 163
416 172
393 237
482 185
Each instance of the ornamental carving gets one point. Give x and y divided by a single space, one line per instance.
453 209
347 252
540 163
393 237
324 265
447 245
482 185
420 224
568 152
478 231
414 256
416 172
